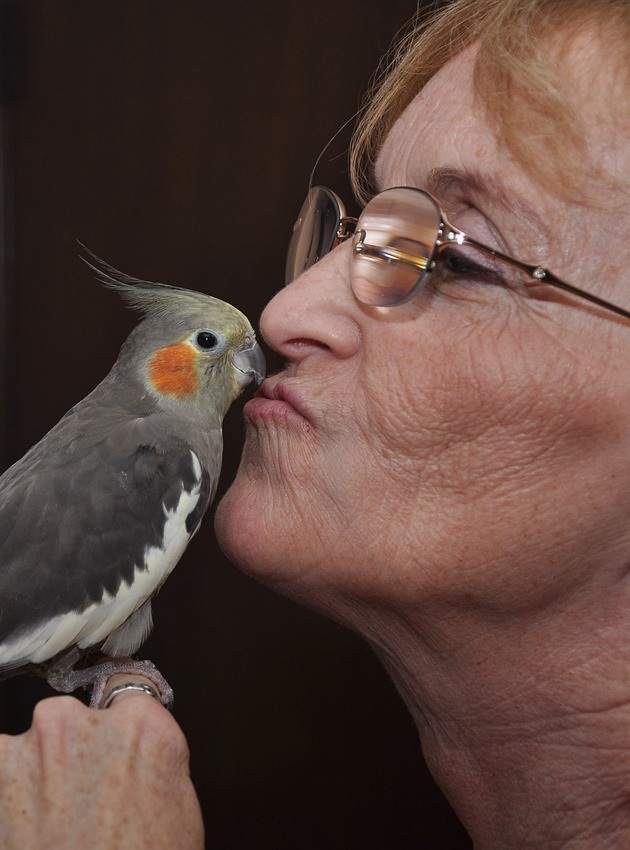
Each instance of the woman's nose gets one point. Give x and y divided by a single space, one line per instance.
317 311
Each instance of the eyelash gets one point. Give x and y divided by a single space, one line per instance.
458 263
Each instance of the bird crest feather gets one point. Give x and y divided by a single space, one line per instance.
148 297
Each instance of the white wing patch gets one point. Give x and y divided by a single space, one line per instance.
93 625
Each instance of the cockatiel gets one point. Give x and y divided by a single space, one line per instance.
95 516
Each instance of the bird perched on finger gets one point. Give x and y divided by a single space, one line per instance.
95 516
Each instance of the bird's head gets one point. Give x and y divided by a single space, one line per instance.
191 351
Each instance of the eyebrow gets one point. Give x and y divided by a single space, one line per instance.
445 181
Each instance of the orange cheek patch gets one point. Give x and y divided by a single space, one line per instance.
172 370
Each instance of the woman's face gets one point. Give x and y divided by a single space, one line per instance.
470 447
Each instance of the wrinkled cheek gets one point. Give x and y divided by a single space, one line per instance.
421 428
486 468
524 468
283 505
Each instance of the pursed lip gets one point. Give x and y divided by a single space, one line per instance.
277 399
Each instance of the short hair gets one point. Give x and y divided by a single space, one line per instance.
515 64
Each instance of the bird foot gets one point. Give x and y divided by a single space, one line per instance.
95 678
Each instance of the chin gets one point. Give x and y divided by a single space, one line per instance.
233 528
259 542
256 519
245 534
260 546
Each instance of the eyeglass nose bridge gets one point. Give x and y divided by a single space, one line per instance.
347 226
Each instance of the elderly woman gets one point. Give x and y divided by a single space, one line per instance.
444 463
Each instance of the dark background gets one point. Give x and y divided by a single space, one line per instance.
175 139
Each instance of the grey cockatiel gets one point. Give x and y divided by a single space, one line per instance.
96 515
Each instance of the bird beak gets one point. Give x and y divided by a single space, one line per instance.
250 362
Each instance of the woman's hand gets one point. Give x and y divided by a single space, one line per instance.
98 779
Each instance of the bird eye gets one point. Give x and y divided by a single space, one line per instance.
207 340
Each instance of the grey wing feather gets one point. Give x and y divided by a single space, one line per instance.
76 519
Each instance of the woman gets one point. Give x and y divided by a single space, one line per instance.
444 464
450 476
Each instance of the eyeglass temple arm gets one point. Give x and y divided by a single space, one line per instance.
542 275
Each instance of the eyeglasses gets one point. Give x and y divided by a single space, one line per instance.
398 239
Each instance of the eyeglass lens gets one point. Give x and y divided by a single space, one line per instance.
393 245
314 231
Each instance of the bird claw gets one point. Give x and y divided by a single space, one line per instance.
94 679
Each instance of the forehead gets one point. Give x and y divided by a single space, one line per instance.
441 125
448 124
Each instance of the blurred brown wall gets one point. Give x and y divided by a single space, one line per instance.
175 139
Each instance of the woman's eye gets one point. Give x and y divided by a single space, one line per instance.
460 263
